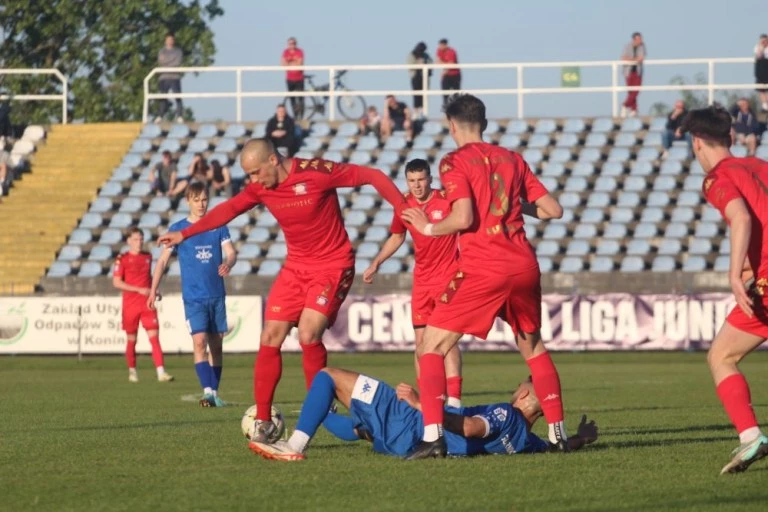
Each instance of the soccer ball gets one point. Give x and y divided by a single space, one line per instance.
249 418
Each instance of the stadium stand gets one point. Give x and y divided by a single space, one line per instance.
626 209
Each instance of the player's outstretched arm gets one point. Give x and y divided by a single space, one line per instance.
389 248
586 434
544 208
350 175
460 218
162 263
222 214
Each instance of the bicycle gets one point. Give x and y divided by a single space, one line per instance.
350 107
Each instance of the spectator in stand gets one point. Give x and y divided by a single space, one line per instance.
450 77
6 174
281 130
397 117
170 57
164 178
745 126
6 130
634 53
673 132
294 56
761 69
419 55
371 122
198 170
220 180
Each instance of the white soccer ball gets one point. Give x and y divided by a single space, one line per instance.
249 418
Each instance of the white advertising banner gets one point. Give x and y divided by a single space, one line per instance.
58 325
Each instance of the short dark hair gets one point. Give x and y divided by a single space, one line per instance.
170 34
712 124
417 165
280 105
443 41
195 189
635 34
132 231
468 109
167 153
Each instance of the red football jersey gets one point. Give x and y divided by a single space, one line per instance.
745 178
495 179
448 56
435 255
135 270
307 208
288 54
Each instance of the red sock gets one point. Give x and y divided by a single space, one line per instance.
130 354
454 387
734 393
157 352
315 358
267 371
546 383
432 382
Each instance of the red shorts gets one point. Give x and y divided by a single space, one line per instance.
423 297
471 302
321 290
132 314
757 325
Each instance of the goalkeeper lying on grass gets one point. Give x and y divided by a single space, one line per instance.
391 419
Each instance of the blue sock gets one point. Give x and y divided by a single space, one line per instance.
204 374
341 426
215 377
316 405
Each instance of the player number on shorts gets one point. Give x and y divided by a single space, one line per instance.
499 189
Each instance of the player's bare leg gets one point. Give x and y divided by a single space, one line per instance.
216 360
546 383
130 357
267 370
312 325
157 356
437 342
452 369
729 347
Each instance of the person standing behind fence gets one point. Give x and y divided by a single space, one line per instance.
761 69
450 77
294 56
419 55
170 56
634 53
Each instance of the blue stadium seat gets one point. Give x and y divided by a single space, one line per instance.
664 183
605 184
622 215
574 125
159 205
360 158
367 143
388 158
545 264
553 169
576 184
545 126
416 153
320 129
174 269
669 246
249 251
383 218
739 151
694 263
706 230
356 218
221 157
652 214
678 153
647 154
70 253
689 198
590 155
554 232
131 205
628 199
631 124
682 214
235 235
725 246
367 250
90 220
176 217
762 151
618 154
492 127
207 131
59 269
311 144
585 231
172 145
612 169
89 269
198 145
361 264
277 250
240 221
676 230
140 188
131 160
121 221
569 199
423 142
111 189
625 140
100 253
111 236
658 124
598 200
613 230
652 140
571 264
632 264
266 219
376 234
150 220
583 169
101 205
259 130
567 141
596 140
236 172
602 125
695 168
709 214
533 156
391 266
80 236
510 141
448 144
363 202
517 126
700 246
538 141
339 144
547 248
141 146
592 215
352 232
235 131
530 231
151 131
657 199
671 168
395 143
663 264
638 247
258 235
121 174
225 146
693 183
577 247
432 128
241 268
560 155
645 230
640 168
601 264
722 264
634 184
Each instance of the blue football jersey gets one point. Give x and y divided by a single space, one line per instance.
199 260
508 433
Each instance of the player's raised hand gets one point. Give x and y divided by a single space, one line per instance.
224 270
170 239
369 273
587 431
416 217
406 393
740 294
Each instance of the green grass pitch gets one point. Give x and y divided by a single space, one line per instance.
79 436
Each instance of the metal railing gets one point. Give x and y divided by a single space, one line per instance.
63 97
520 90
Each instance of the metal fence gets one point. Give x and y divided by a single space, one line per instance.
63 97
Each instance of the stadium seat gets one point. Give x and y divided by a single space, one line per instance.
645 230
647 154
533 156
598 200
510 141
423 142
657 199
547 248
259 130
131 205
567 199
583 169
694 263
640 168
571 264
356 218
159 205
367 250
101 205
176 217
70 253
631 124
100 253
577 247
360 158
573 125
172 145
517 126
249 251
560 155
448 144
376 234
352 232
652 140
150 220
59 269
311 144
669 246
652 214
628 200
122 174
695 168
682 214
676 230
625 140
320 129
722 264
689 198
257 235
549 183
567 140
90 220
709 214
432 128
576 184
89 269
240 221
207 131
671 168
615 231
706 230
592 215
762 151
618 154
545 264
530 231
383 218
612 169
277 250
391 266
339 144
658 124
605 184
266 219
678 153
225 146
596 140
601 264
235 131
141 146
361 264
634 184
235 235
538 141
140 188
80 236
395 143
663 264
111 189
545 126
131 161
622 215
151 131
363 202
585 231
174 269
693 183
638 247
602 125
241 268
121 221
416 153
388 158
553 169
590 155
700 246
632 264
739 151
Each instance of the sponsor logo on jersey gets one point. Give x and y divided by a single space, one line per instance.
436 215
500 413
300 189
204 253
321 300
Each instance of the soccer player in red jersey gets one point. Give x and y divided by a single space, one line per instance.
319 268
435 259
738 188
490 188
132 276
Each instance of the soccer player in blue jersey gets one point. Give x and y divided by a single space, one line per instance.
204 260
392 420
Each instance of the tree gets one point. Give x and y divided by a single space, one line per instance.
104 48
698 99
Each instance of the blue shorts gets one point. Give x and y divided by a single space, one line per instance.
395 426
206 315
